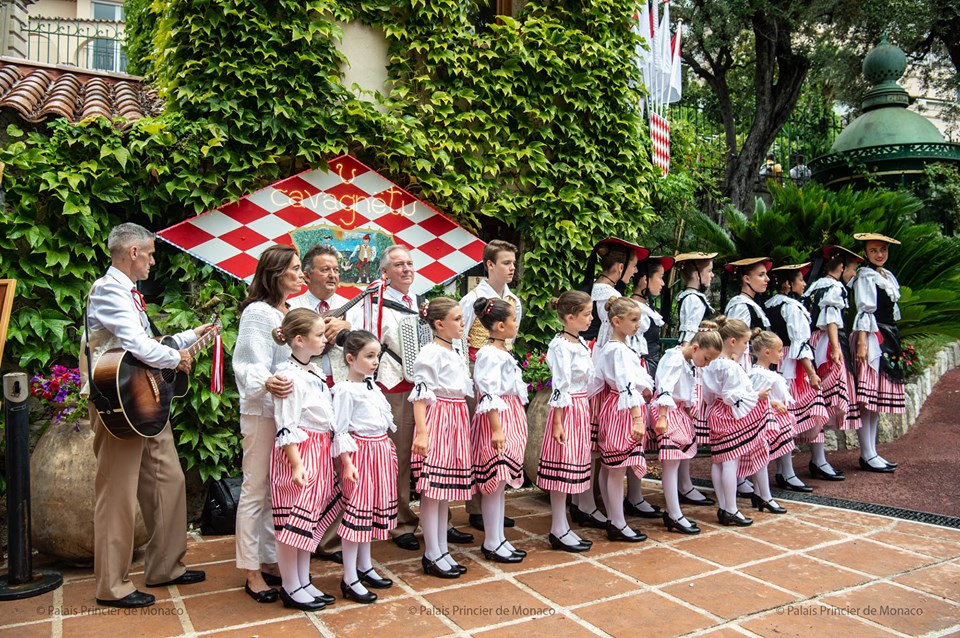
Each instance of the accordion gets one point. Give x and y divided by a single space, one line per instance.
415 334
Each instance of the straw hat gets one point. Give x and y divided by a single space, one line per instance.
748 261
692 256
804 268
829 252
875 237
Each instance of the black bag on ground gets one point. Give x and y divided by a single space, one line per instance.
220 507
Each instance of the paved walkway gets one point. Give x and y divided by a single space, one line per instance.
816 571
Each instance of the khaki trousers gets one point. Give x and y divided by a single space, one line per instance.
132 471
407 521
255 540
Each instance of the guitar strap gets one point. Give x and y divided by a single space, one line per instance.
99 400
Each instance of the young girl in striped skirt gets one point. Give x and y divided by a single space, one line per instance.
781 423
877 338
441 463
647 284
498 435
623 417
790 320
368 464
737 420
672 410
693 307
304 490
831 349
565 458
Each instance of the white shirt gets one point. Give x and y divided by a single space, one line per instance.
620 368
484 289
442 372
390 372
866 287
496 375
738 308
638 342
797 320
693 308
359 408
256 357
676 379
572 369
766 379
726 380
306 409
354 317
599 294
832 303
112 308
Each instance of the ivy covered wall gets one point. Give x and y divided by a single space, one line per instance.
527 128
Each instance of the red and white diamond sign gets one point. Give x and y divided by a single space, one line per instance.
344 205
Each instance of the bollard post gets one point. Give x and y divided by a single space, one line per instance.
21 581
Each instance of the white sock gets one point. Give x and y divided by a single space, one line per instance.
428 521
559 525
288 559
443 509
744 486
614 496
728 479
671 470
785 465
685 483
503 513
761 484
716 475
493 522
351 553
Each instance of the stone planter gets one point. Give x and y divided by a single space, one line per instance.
63 469
915 392
537 411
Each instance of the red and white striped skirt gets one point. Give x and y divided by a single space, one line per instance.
739 439
700 428
301 515
370 504
780 433
489 466
446 472
809 409
566 468
617 446
877 393
678 442
596 404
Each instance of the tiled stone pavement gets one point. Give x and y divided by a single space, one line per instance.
816 571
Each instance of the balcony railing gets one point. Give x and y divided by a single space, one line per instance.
88 44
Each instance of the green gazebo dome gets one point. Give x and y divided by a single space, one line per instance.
888 141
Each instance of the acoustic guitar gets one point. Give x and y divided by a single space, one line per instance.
141 395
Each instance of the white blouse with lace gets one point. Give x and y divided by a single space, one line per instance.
725 379
442 372
620 368
676 380
359 408
497 375
256 357
306 409
572 369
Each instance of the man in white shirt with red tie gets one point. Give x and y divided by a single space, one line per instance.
397 265
135 470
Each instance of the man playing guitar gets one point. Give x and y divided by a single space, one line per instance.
137 469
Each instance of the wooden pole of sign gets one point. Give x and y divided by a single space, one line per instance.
7 288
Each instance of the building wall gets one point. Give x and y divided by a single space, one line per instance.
366 51
13 23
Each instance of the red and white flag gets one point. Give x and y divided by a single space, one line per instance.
660 136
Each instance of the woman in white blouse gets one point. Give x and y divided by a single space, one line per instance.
255 358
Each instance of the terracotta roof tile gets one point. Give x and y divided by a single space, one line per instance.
38 92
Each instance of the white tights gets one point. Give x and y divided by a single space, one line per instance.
493 507
295 570
356 556
867 434
559 525
725 483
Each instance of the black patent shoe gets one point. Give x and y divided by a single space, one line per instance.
497 558
632 510
431 568
350 594
615 533
372 581
761 505
290 603
460 538
556 543
407 541
326 599
738 519
686 500
818 472
583 519
132 600
188 577
270 579
675 525
460 569
866 467
784 484
266 596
